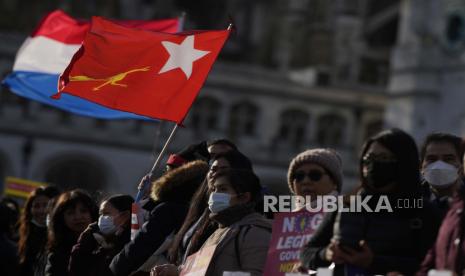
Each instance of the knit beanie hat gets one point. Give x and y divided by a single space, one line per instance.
327 158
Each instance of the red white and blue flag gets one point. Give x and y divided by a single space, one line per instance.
48 51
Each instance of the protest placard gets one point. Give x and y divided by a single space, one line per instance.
291 231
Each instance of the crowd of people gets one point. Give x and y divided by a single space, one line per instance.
209 199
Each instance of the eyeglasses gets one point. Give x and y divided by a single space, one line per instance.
313 175
378 158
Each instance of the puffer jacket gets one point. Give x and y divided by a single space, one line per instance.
172 194
399 240
243 246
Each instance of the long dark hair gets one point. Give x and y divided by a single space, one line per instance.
405 150
26 217
199 209
198 206
59 233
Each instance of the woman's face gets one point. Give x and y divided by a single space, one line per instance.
222 185
119 218
380 154
312 180
77 218
39 209
217 165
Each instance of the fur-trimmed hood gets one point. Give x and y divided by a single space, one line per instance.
180 184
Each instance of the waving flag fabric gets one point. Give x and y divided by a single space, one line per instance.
152 74
46 53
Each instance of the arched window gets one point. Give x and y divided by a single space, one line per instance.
293 127
76 172
243 119
205 114
331 130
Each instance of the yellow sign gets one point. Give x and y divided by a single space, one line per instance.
20 188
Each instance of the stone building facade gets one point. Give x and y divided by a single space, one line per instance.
302 74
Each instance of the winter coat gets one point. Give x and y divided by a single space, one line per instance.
448 253
442 203
243 246
91 256
399 240
58 258
172 195
34 249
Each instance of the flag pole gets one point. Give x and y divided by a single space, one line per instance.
232 25
159 129
146 183
182 19
155 165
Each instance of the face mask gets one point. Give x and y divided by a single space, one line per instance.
381 173
218 202
440 174
106 225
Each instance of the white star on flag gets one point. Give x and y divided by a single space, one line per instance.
182 55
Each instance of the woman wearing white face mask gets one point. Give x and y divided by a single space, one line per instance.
197 218
102 240
241 242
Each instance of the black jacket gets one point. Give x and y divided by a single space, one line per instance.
58 258
443 203
172 194
90 258
399 240
34 247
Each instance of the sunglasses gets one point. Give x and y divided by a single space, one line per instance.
313 175
377 158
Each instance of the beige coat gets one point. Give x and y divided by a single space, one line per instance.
253 235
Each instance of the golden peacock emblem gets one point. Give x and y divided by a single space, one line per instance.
113 80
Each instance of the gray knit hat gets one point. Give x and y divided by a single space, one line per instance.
329 159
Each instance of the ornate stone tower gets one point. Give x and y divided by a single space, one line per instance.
427 81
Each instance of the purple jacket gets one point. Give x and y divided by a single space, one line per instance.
448 252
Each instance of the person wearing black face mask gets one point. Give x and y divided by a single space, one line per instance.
378 242
379 171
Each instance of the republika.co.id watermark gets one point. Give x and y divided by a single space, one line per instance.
332 203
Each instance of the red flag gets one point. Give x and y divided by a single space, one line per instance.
148 73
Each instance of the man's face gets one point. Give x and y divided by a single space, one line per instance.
442 151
